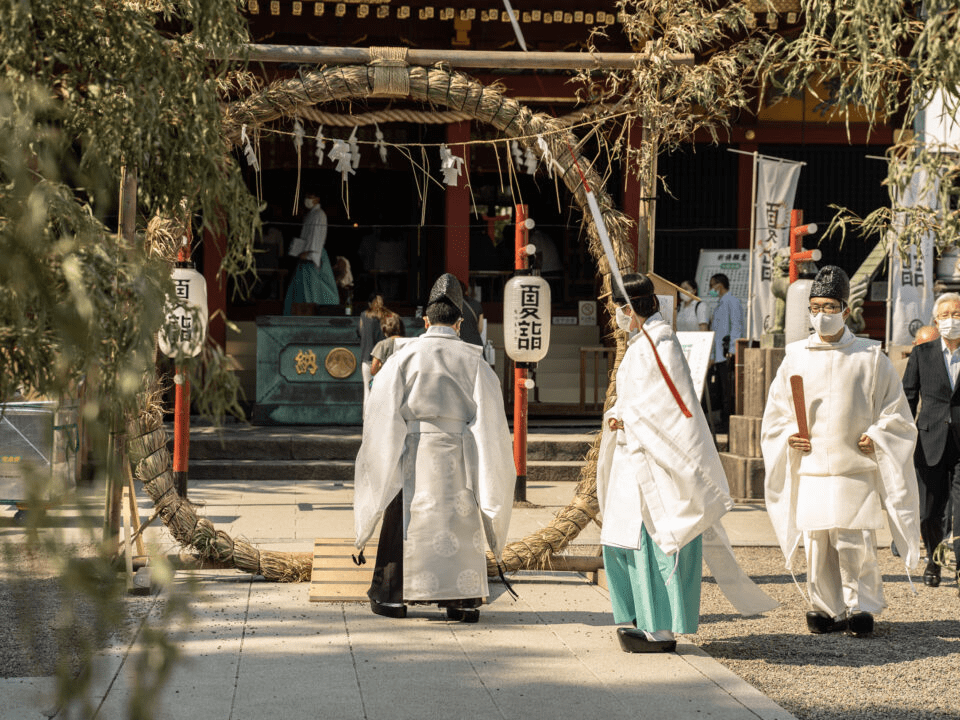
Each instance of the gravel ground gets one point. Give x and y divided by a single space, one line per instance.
42 624
908 670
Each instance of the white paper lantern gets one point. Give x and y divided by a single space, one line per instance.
185 323
526 318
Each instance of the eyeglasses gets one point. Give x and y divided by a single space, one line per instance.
945 316
829 309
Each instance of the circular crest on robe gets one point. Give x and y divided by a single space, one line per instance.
425 583
468 582
340 363
445 544
464 503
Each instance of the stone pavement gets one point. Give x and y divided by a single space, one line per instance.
256 649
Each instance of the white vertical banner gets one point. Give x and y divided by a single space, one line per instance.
776 186
939 122
911 272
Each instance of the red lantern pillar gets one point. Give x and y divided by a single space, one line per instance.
520 375
181 410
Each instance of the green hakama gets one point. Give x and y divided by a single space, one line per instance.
639 587
312 284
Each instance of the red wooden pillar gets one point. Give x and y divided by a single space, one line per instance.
520 405
214 249
632 193
181 412
457 212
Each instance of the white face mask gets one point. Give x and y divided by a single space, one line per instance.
949 328
309 203
827 325
623 320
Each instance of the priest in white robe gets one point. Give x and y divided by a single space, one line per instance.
833 486
662 489
436 456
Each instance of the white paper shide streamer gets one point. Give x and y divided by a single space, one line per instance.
546 155
340 154
530 161
354 149
248 152
450 165
297 135
380 144
321 144
516 152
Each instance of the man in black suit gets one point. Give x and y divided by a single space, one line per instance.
931 379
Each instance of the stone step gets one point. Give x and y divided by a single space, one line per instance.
340 471
279 447
331 447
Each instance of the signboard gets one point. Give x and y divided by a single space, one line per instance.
667 309
697 347
735 264
588 312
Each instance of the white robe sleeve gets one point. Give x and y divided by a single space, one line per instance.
377 474
608 443
779 423
685 491
496 472
314 235
894 435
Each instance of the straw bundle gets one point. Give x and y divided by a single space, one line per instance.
147 450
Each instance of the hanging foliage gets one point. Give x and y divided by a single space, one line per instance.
86 89
881 60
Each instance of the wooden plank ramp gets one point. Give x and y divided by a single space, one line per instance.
334 577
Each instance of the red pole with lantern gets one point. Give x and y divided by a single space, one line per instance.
181 407
520 400
526 332
182 337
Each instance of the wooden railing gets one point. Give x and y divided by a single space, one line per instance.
600 380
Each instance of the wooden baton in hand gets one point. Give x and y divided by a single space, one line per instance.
800 405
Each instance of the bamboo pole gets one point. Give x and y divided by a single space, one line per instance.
126 228
327 55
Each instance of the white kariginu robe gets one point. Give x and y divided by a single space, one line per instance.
850 388
434 427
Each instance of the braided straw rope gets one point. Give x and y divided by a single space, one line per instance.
435 87
423 117
383 116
